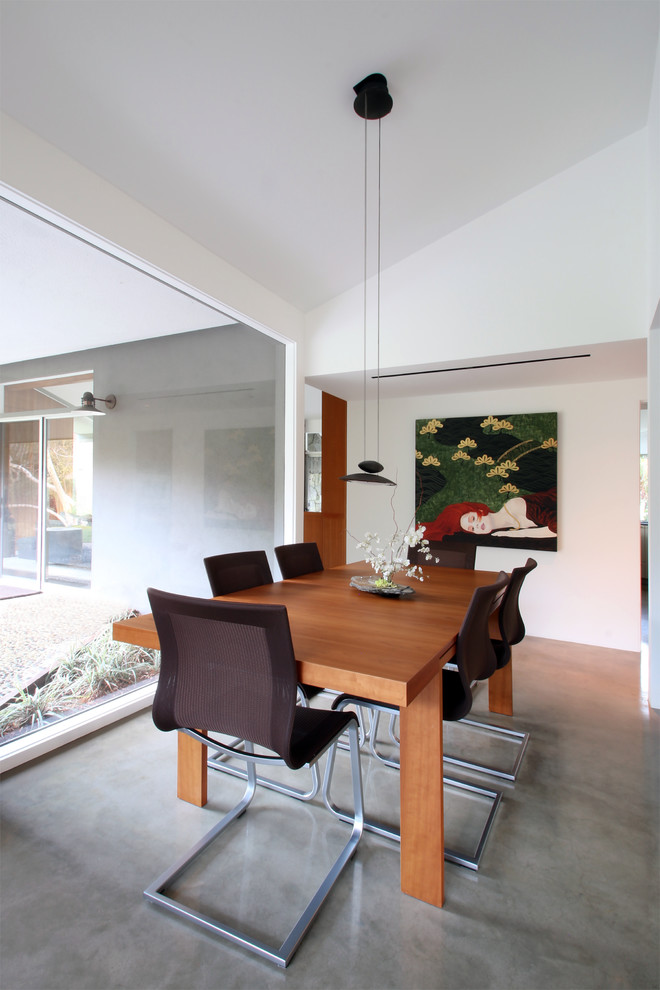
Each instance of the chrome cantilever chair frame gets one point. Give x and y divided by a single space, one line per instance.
472 861
282 954
217 761
501 772
487 727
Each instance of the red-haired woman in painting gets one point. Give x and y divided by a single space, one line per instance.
527 516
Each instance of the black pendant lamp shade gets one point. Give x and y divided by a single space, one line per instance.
372 102
368 472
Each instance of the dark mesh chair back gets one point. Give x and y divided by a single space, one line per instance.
227 667
475 658
511 623
229 572
512 631
445 554
295 559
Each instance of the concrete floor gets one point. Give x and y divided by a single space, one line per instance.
567 895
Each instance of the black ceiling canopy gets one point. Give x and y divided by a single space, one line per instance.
372 100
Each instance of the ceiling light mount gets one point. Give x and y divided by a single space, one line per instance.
372 99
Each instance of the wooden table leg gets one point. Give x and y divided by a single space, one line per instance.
191 771
500 690
422 822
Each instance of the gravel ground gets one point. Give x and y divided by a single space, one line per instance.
38 630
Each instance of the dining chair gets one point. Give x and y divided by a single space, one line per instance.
444 553
512 632
229 572
295 559
475 660
437 553
229 668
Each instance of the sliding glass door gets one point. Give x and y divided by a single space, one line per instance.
47 501
22 500
68 500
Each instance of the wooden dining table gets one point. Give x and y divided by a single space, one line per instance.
388 649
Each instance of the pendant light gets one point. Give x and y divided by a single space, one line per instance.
372 102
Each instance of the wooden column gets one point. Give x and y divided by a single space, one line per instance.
422 811
191 771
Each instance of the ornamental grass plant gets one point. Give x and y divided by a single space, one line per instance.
88 673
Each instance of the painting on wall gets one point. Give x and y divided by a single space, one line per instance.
490 480
239 478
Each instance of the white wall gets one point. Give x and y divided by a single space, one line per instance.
561 265
589 590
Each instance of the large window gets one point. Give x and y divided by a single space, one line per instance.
197 457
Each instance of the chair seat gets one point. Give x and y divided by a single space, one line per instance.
313 730
311 690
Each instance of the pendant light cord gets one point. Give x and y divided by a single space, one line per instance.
378 308
364 311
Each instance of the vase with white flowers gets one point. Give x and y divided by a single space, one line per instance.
392 556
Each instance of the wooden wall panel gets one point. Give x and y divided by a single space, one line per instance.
313 531
328 527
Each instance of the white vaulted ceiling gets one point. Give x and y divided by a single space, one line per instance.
233 120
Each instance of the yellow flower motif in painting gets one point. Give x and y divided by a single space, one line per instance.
430 460
460 455
484 459
509 489
547 444
497 424
419 455
432 426
468 442
497 472
509 466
